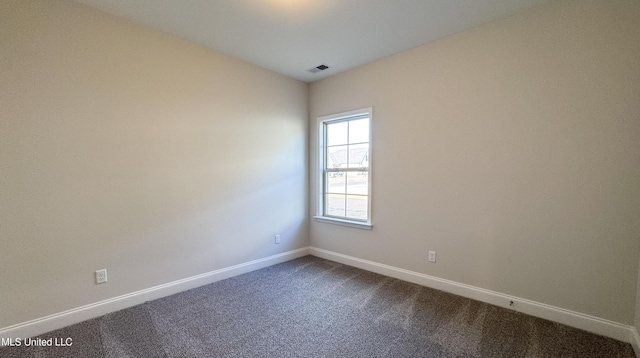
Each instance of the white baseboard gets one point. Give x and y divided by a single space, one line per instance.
571 318
62 319
579 320
634 339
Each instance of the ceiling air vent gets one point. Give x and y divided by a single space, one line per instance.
318 68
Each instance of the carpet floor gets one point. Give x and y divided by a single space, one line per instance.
311 307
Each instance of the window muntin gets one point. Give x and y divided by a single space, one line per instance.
345 156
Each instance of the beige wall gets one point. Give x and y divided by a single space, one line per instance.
637 313
126 149
511 150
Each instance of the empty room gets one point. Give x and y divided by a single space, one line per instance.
319 178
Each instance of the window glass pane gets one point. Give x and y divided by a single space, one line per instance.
336 182
358 183
346 149
337 157
357 207
337 133
335 204
359 156
359 131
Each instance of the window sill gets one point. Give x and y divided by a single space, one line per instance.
354 224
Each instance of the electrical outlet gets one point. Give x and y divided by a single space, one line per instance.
432 256
101 276
278 239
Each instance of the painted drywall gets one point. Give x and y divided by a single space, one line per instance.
637 313
126 149
512 151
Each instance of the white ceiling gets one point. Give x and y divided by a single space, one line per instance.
292 36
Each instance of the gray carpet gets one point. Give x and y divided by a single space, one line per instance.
312 307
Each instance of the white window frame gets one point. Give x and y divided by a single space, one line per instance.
340 117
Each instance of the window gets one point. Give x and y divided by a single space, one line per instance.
344 176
